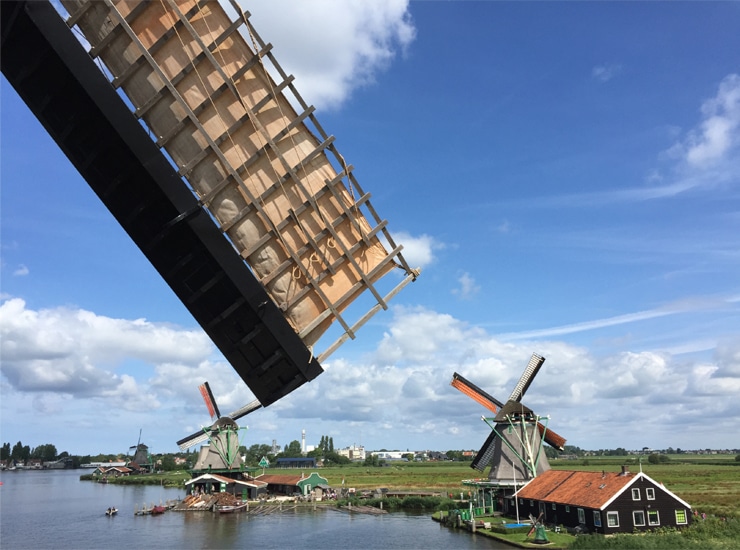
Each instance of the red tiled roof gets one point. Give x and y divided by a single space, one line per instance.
279 479
587 489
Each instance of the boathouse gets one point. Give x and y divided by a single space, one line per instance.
289 485
246 489
601 502
112 471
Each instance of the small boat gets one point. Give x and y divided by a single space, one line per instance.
158 510
231 509
111 511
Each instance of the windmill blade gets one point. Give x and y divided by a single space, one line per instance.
193 439
475 393
202 435
485 455
551 438
205 392
528 375
245 410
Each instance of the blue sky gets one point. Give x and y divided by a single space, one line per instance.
567 175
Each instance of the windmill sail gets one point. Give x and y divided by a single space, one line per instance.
191 133
531 370
205 392
475 393
485 455
204 90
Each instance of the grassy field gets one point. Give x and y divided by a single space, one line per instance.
710 485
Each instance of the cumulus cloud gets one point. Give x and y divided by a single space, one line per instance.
76 352
332 47
400 391
418 251
407 380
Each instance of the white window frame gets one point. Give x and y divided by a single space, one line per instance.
685 517
635 494
581 516
553 506
635 514
657 517
567 509
612 519
650 493
597 518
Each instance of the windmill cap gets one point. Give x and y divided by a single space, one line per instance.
512 408
225 422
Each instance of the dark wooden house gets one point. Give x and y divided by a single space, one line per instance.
601 502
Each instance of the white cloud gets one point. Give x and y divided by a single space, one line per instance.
76 352
719 132
605 73
468 287
418 251
397 395
332 47
706 158
685 305
21 271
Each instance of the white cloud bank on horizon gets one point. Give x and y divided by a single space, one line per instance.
62 358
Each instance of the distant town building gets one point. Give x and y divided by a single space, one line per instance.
354 452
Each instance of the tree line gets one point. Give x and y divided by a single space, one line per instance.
23 453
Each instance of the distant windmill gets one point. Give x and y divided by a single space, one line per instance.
223 435
141 453
514 447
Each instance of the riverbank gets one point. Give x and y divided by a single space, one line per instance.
495 527
709 486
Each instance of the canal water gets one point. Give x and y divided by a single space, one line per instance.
53 509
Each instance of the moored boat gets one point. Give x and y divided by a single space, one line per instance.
231 509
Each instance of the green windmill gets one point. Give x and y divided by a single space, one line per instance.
222 450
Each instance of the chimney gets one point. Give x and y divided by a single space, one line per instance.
625 471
